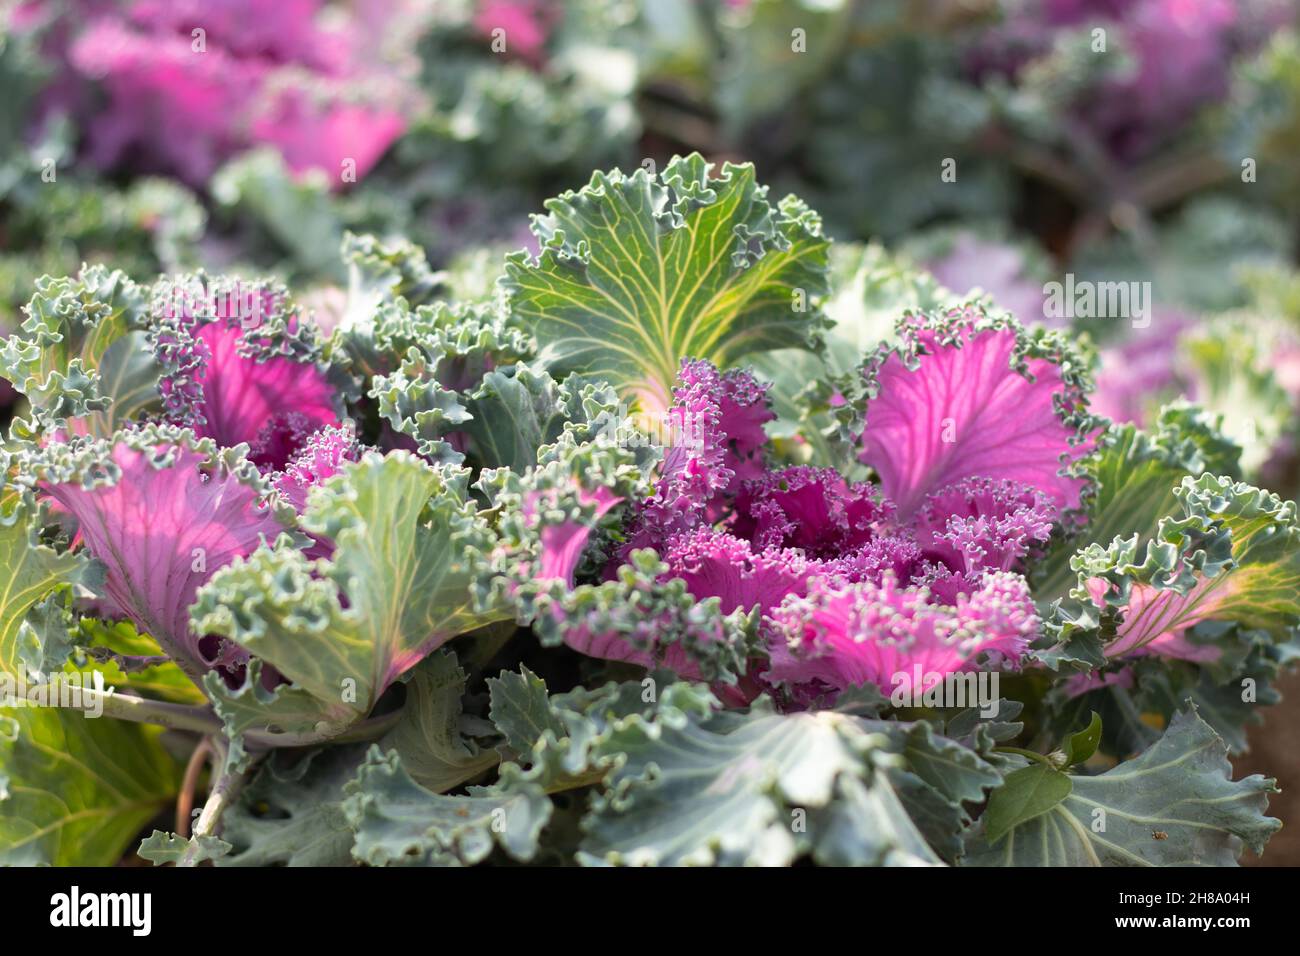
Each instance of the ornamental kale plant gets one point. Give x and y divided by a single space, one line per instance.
561 574
151 89
1133 103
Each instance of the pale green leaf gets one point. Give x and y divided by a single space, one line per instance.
297 211
1025 793
952 769
758 790
399 822
291 814
81 351
1083 744
1174 805
408 544
869 824
429 739
522 710
285 709
380 272
29 571
160 847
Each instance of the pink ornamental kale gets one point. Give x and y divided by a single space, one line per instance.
180 87
1138 375
714 442
741 575
165 515
997 268
936 582
1168 59
962 397
563 542
320 457
812 509
845 636
978 525
525 25
232 382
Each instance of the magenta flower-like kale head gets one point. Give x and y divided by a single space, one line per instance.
972 429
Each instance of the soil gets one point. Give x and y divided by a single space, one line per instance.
1274 754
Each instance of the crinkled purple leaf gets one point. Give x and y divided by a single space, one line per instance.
965 395
843 636
163 512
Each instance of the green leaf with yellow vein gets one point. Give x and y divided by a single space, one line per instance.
408 543
638 272
80 789
1262 585
28 572
1132 479
1233 554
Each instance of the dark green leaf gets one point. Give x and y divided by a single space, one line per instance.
1082 745
1024 794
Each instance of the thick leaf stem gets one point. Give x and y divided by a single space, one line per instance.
369 729
202 720
224 792
143 711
